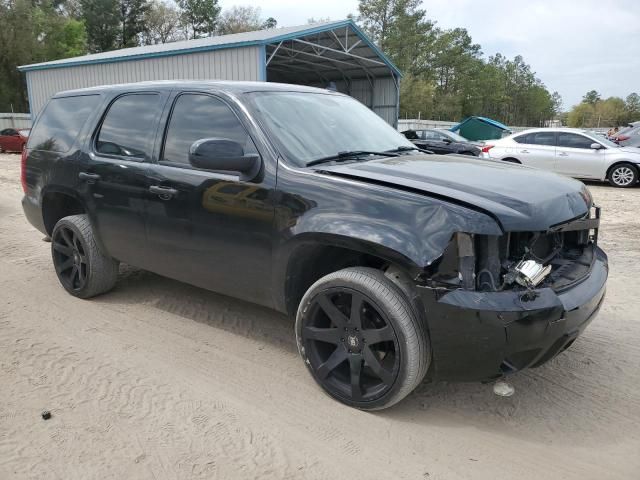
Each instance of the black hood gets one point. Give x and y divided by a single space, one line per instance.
519 197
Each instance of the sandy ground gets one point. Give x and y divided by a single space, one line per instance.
158 379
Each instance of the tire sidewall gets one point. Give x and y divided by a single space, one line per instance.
389 398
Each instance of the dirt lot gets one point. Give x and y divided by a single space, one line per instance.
158 379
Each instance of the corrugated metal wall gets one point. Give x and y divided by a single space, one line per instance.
226 64
382 98
15 120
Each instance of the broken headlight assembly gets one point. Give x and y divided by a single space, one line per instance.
558 257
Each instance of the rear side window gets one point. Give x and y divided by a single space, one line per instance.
572 140
129 127
522 139
60 123
197 116
542 138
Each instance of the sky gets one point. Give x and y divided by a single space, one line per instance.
573 45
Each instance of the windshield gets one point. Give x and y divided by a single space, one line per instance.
310 126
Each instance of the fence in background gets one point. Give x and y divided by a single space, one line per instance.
15 120
419 124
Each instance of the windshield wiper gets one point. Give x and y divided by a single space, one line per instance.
342 156
405 148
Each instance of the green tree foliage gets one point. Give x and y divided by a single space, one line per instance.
32 32
200 16
611 112
446 76
101 18
591 97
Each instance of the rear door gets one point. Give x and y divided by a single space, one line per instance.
115 173
205 227
576 158
537 149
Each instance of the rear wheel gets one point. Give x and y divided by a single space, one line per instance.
623 175
360 338
83 270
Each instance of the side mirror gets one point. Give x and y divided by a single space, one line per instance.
226 155
596 146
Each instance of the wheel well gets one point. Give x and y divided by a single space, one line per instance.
511 160
309 263
617 164
57 205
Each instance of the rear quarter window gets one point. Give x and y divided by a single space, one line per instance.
60 123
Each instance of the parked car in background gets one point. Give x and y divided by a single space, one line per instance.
396 264
628 136
13 139
569 151
442 142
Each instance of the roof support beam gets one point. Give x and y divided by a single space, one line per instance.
342 52
273 53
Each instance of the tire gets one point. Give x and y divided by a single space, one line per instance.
83 270
623 175
371 360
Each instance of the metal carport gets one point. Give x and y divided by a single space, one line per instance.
330 54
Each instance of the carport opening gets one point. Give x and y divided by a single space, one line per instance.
342 59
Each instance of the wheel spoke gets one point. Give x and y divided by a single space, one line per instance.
328 335
65 265
58 247
336 316
335 359
377 335
356 309
374 363
66 237
73 275
355 367
81 274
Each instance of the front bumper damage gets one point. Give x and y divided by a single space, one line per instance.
483 335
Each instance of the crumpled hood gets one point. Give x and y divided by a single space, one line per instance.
520 198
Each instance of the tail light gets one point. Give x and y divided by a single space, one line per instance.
486 148
23 170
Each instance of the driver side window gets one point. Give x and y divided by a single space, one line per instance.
573 140
198 116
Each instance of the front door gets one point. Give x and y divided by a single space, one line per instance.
576 158
115 174
209 228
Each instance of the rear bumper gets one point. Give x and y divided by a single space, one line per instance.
477 336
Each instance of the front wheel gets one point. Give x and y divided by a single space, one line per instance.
82 268
623 175
361 339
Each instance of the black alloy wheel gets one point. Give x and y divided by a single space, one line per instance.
83 269
69 258
360 339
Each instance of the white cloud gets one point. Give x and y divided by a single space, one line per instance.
573 45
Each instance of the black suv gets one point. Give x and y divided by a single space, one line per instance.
396 264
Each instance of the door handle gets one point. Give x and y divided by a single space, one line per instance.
524 151
89 177
562 154
165 193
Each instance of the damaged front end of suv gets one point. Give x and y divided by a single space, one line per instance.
497 304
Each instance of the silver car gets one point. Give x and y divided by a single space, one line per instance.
569 151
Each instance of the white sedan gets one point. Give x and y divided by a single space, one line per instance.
569 151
